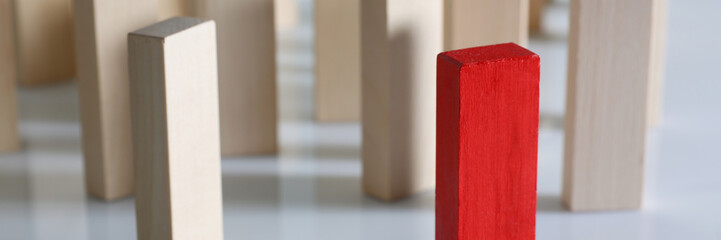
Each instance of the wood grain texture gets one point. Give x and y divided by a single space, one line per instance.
605 125
45 44
399 41
337 69
174 88
101 28
9 136
487 143
470 23
246 71
658 62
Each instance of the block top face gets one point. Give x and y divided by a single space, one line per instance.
487 53
169 27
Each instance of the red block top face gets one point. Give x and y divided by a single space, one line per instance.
487 143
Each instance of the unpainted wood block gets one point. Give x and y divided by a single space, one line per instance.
487 143
535 14
287 14
172 8
605 125
176 136
337 51
9 136
246 73
44 33
399 41
101 33
658 61
470 23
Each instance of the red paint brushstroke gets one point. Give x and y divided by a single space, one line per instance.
487 143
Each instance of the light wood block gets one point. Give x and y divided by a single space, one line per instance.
102 27
399 42
605 125
535 14
487 143
9 136
173 8
45 44
174 89
658 62
470 23
337 69
287 14
246 71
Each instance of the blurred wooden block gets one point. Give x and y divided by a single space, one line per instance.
246 73
470 23
487 143
9 136
287 14
658 62
399 42
44 34
102 27
173 8
174 88
605 126
535 14
337 51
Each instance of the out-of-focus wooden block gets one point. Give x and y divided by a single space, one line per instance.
605 126
102 50
535 14
173 8
487 143
176 138
9 136
469 23
287 14
44 34
246 73
337 71
658 62
399 42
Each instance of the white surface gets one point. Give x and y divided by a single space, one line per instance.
311 190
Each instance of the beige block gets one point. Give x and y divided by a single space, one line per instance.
9 136
173 8
658 62
535 14
287 14
473 23
174 89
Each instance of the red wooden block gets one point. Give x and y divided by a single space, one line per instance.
487 143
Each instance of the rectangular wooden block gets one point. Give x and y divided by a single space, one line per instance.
605 125
246 71
487 143
9 136
470 23
45 44
399 41
101 28
176 138
173 8
337 69
535 14
287 14
658 62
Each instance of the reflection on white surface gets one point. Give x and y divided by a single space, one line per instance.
312 188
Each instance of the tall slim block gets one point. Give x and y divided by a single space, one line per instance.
45 44
101 28
487 143
172 8
176 136
337 69
246 73
605 125
399 41
9 137
658 61
470 23
535 14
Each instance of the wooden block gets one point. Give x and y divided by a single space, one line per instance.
176 138
658 61
470 23
101 28
399 41
9 136
246 71
44 34
287 14
605 125
172 8
487 143
337 53
535 14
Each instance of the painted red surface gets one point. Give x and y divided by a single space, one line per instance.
487 143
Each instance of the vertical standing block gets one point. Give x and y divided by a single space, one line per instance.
45 50
101 28
172 8
605 126
658 61
471 23
487 143
535 14
9 137
286 14
399 39
337 51
246 73
174 88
